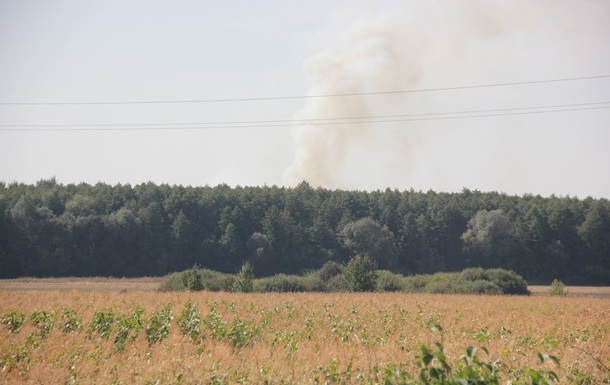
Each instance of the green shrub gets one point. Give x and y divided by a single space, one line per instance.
473 274
172 282
442 285
468 281
481 286
508 281
435 368
281 283
388 281
557 289
191 279
244 281
330 269
313 282
416 283
216 281
328 278
360 274
210 280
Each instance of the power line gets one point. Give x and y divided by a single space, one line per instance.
315 122
306 96
308 121
303 121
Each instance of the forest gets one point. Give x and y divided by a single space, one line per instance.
54 230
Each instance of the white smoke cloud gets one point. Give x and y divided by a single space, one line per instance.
436 44
374 54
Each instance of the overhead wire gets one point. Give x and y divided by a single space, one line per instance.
306 96
310 122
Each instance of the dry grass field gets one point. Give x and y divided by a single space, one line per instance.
94 335
81 284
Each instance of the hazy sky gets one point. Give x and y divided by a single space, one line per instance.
137 51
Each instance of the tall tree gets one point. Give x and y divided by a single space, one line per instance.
367 237
489 239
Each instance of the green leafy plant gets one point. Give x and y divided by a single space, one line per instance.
43 321
189 322
214 322
192 280
244 280
102 323
70 323
13 320
557 289
159 324
128 327
360 274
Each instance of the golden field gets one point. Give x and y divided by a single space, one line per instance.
293 338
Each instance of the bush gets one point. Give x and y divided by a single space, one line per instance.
191 279
508 281
328 278
473 274
330 269
172 282
388 281
557 289
481 286
210 280
281 283
469 281
216 281
416 283
244 281
360 274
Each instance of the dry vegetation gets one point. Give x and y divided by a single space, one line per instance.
293 338
81 284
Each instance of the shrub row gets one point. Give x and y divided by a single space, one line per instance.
333 276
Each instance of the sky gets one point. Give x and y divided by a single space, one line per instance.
106 92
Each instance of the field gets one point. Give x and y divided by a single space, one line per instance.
121 331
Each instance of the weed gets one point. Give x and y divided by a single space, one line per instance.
557 289
128 328
102 323
13 320
159 324
189 322
43 322
214 322
70 323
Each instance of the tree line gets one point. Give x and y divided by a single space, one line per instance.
50 229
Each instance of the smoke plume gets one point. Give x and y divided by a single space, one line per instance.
374 54
391 51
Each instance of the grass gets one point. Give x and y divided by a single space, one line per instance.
103 336
81 284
